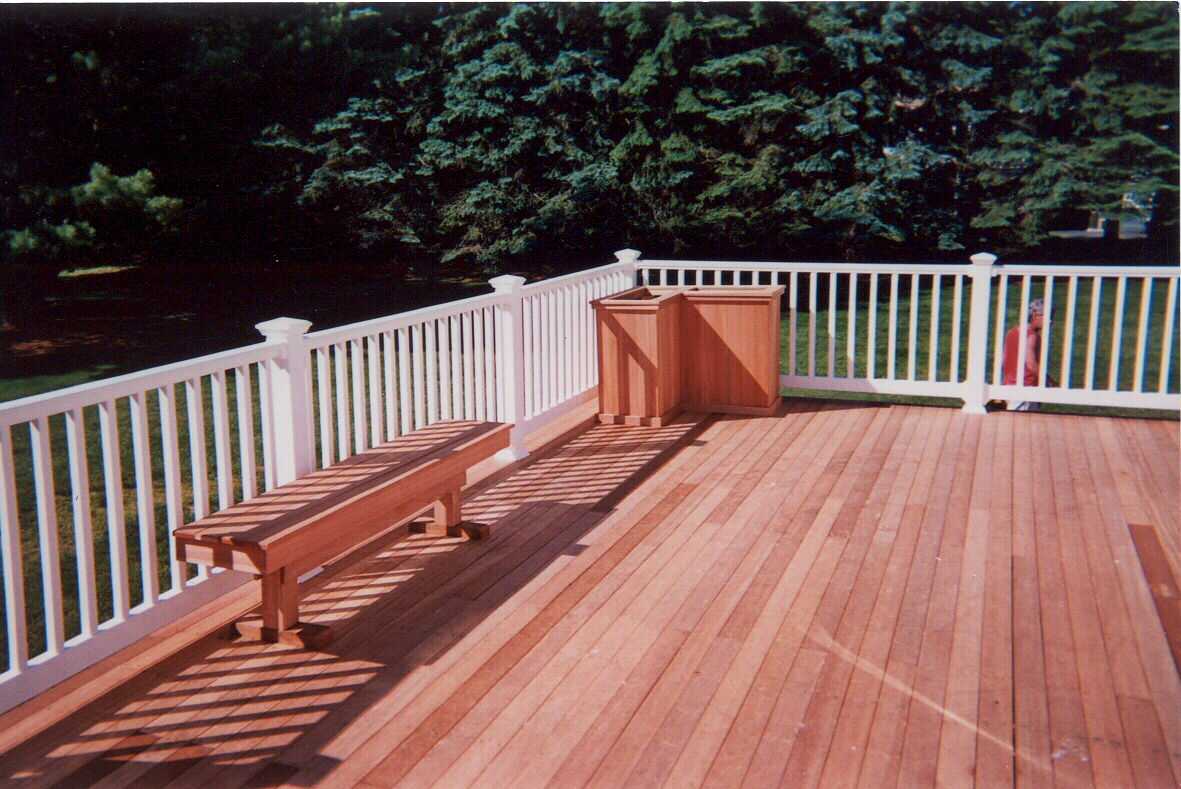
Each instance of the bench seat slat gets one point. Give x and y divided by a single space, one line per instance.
270 517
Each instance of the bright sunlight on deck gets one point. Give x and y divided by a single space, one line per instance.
841 594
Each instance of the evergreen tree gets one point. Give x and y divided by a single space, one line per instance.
1090 116
515 136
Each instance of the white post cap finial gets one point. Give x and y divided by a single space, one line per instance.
283 328
506 283
983 259
627 255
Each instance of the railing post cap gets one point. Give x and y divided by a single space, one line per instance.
506 283
627 255
983 259
283 328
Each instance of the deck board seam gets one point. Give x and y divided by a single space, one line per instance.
848 453
718 646
886 468
683 590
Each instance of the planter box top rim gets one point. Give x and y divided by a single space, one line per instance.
655 296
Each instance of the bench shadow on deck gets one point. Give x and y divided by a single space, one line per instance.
839 594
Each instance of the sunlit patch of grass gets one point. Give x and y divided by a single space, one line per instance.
93 271
14 388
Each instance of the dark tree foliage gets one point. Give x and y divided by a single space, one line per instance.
521 136
1091 114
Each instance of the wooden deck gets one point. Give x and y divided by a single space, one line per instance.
839 595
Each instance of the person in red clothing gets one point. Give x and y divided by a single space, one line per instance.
1033 353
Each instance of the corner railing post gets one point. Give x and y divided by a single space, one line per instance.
290 399
630 257
510 351
975 384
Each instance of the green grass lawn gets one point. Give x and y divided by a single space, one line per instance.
18 387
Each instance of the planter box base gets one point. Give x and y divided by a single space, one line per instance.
745 410
641 421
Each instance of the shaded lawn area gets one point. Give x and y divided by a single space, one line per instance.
121 320
160 333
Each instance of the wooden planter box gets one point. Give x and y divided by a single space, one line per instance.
731 342
705 349
639 356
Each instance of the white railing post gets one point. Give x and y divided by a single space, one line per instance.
510 352
630 257
975 383
291 399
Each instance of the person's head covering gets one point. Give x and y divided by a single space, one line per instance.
1037 307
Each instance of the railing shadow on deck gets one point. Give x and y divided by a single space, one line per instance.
227 711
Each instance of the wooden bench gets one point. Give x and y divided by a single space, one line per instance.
299 526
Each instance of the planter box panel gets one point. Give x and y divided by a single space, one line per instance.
639 357
734 344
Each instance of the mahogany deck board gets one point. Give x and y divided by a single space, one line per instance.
823 700
678 649
1116 511
834 595
767 722
387 651
809 753
1031 714
956 740
927 711
1165 591
691 755
1158 477
1071 752
535 748
384 729
901 527
884 749
1098 695
994 735
753 621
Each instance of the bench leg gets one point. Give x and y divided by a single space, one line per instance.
280 602
448 520
280 615
447 512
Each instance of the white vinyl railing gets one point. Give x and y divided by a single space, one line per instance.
207 433
559 358
837 313
384 378
94 479
111 577
938 330
1110 339
523 354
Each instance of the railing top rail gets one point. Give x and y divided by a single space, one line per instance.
574 278
805 267
1093 269
33 407
352 331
